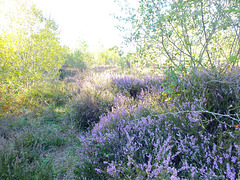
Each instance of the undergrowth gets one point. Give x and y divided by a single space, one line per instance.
103 125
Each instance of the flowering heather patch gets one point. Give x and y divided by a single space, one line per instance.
143 128
158 137
86 81
220 96
155 147
134 85
94 95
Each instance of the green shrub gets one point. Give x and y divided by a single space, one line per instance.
89 106
43 95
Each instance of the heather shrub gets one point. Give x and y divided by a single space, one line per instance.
133 85
125 110
89 81
108 139
220 107
93 97
140 140
109 127
88 106
153 149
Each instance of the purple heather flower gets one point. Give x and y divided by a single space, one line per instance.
98 170
221 160
111 169
234 159
238 148
226 156
174 178
149 165
192 119
230 174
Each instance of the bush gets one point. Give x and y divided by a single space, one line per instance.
112 142
221 98
38 97
89 106
133 86
43 95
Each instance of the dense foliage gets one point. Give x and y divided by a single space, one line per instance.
187 34
31 54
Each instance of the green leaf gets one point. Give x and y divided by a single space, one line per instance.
232 59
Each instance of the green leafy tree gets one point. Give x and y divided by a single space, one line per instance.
80 57
30 50
109 56
188 34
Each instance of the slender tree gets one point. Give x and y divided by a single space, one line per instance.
188 34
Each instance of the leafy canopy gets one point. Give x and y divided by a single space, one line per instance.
192 34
